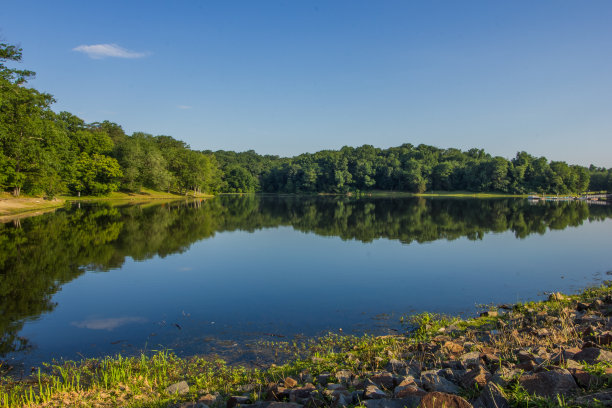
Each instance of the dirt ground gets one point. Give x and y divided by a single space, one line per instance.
11 207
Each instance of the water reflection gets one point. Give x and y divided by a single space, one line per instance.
40 254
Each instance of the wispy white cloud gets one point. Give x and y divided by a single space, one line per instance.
99 51
184 107
109 323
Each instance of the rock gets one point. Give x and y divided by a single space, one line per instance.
453 347
434 382
572 364
585 379
593 355
492 397
343 400
549 383
603 398
503 376
412 402
453 365
402 391
373 392
471 359
523 356
383 379
451 375
556 297
344 376
477 376
190 405
209 399
298 394
274 404
491 359
236 400
397 367
529 365
490 313
276 393
604 338
358 395
335 387
323 379
442 400
290 382
179 388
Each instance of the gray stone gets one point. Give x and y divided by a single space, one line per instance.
471 359
323 379
412 402
504 375
344 400
434 382
397 367
549 383
236 400
209 399
358 395
383 379
475 376
178 388
492 397
344 376
408 390
298 394
373 392
452 375
190 405
273 404
524 356
593 355
603 398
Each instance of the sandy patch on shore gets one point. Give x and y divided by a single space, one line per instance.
20 205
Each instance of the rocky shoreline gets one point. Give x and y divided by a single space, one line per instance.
541 354
553 353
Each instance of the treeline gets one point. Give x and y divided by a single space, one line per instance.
405 168
43 152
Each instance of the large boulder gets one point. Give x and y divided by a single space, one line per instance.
549 383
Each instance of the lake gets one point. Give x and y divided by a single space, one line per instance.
229 274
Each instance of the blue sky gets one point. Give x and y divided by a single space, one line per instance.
286 77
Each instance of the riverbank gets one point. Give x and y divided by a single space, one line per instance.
19 207
541 354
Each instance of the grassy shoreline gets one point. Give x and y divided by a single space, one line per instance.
432 342
20 207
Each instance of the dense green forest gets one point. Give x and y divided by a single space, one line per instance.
43 152
52 249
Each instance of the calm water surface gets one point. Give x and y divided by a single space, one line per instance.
218 276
